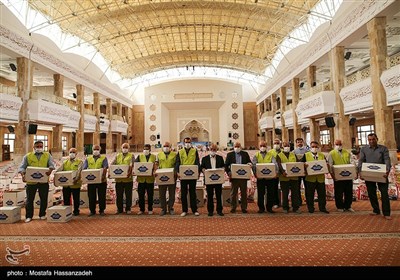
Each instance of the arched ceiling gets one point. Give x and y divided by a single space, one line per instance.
141 37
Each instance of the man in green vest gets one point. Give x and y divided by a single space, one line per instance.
315 182
97 161
343 188
146 183
276 149
188 156
37 158
124 185
288 183
70 164
264 185
166 159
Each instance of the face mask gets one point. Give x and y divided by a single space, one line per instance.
166 149
286 149
188 145
237 150
38 150
314 150
277 146
338 147
212 153
124 151
72 155
263 149
146 152
96 152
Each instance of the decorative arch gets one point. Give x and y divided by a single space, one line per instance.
196 131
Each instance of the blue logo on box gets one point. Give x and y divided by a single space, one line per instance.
266 171
373 167
3 217
55 216
90 177
118 171
214 177
188 172
345 173
143 168
241 172
295 169
164 178
9 202
63 179
37 175
81 202
317 167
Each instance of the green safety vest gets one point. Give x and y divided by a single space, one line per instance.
147 179
313 178
35 162
124 160
284 159
266 159
95 164
164 162
69 165
338 158
187 159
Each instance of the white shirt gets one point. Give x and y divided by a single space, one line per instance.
213 160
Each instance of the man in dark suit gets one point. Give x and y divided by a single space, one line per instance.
239 157
213 161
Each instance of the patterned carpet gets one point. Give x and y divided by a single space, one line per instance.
272 240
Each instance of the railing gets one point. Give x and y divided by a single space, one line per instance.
36 95
8 90
315 89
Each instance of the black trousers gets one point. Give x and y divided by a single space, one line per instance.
373 198
275 192
76 196
43 189
98 190
262 186
321 191
343 194
142 189
120 189
293 187
191 186
210 197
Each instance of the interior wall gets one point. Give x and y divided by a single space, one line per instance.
250 124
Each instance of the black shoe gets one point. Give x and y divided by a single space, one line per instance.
261 211
233 211
311 211
220 214
271 211
76 214
324 211
102 214
210 214
91 214
244 211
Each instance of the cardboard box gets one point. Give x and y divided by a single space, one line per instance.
294 169
14 198
84 199
91 176
10 214
226 196
118 171
156 198
59 214
317 167
373 172
143 168
266 170
345 172
214 176
36 174
165 176
64 178
36 202
241 171
188 172
199 197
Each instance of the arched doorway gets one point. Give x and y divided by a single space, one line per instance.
196 131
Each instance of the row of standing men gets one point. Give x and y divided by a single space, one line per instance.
279 154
